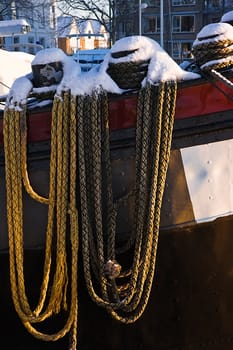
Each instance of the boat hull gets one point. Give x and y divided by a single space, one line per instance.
190 305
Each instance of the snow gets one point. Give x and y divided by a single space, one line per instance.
20 90
10 22
13 65
214 32
23 85
49 55
161 68
70 68
227 17
90 58
66 25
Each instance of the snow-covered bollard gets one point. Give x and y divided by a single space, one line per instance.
47 74
213 46
51 68
133 61
126 70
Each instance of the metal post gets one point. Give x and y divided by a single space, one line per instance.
161 23
140 17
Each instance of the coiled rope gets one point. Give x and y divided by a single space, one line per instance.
214 56
79 133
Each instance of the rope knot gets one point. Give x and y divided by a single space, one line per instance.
112 269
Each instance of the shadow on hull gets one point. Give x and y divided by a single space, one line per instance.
190 306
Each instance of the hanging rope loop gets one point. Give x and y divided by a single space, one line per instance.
123 290
80 153
61 204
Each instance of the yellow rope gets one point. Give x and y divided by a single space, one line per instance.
61 206
23 150
217 53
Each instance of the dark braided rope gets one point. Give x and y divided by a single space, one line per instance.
212 58
126 300
128 75
214 54
214 50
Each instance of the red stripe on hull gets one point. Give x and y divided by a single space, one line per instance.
192 101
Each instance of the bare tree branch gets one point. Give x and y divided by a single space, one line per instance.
100 10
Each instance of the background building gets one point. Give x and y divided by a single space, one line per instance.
50 30
40 14
74 35
173 23
180 24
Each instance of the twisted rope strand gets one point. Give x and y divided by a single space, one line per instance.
61 170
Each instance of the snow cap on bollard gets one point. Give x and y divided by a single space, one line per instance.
47 67
227 18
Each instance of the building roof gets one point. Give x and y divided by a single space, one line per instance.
67 25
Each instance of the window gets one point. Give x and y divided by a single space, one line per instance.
219 4
181 50
214 3
30 39
152 2
41 41
31 48
181 24
183 2
16 39
16 42
129 27
228 3
151 24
